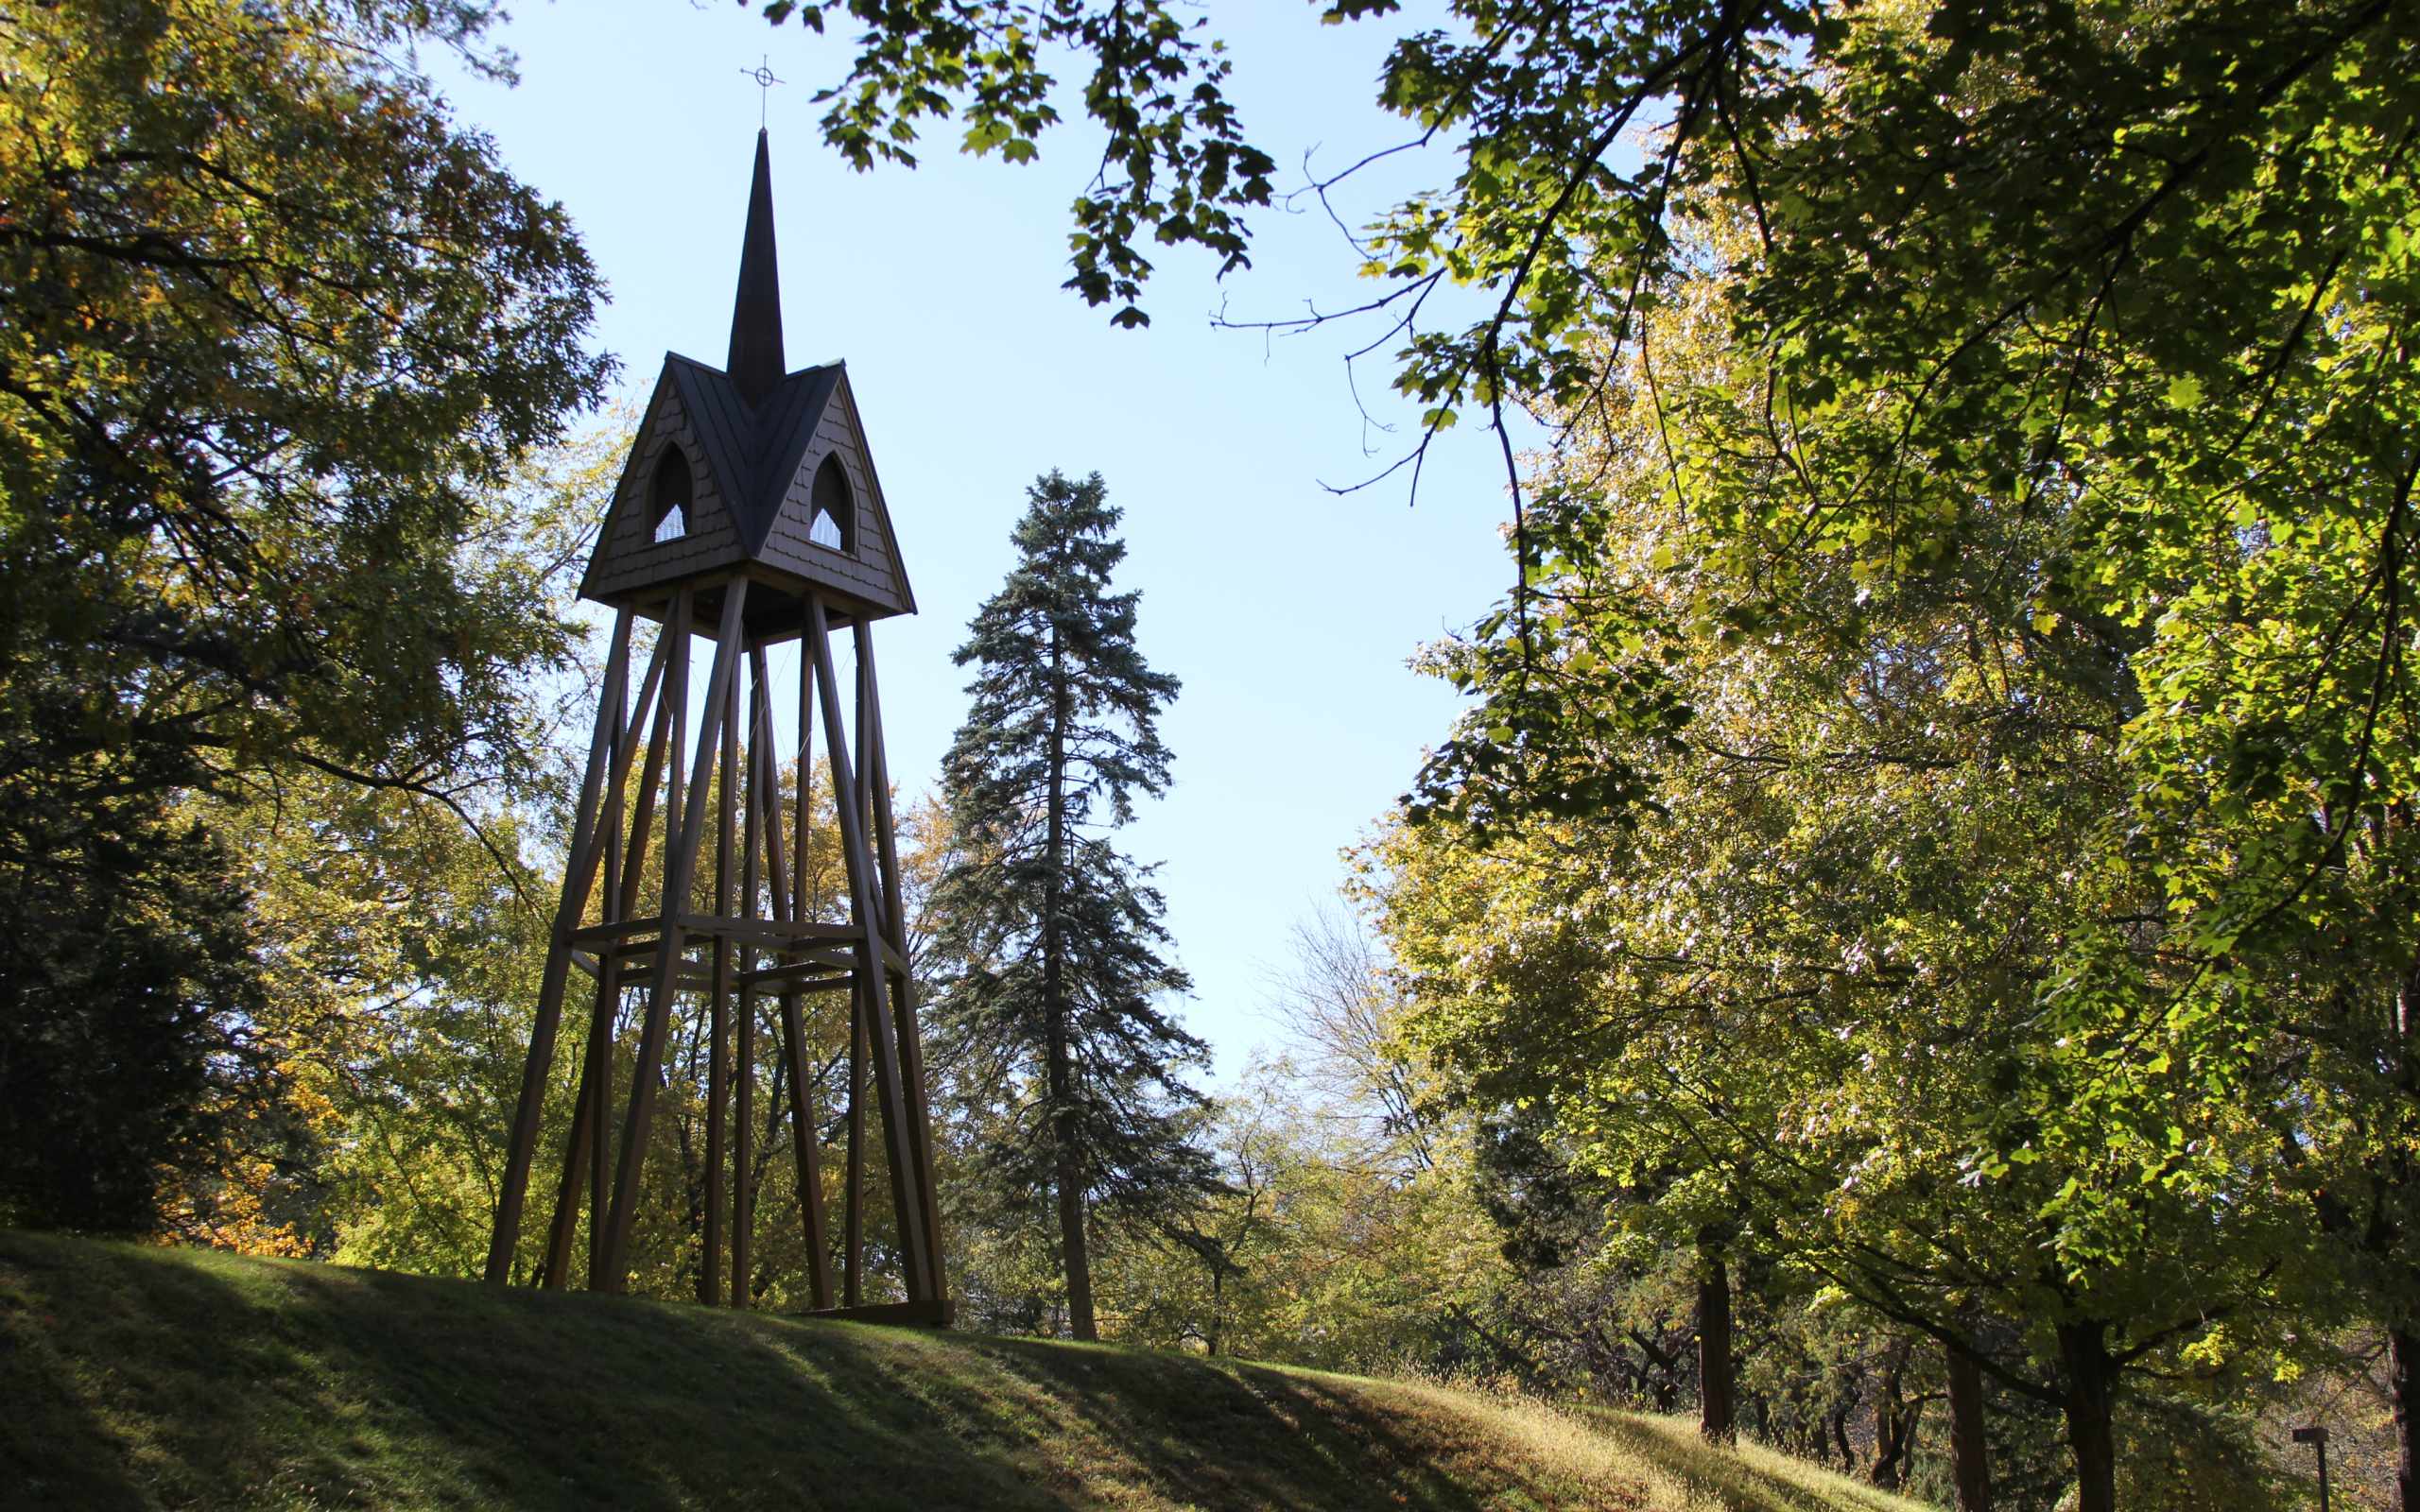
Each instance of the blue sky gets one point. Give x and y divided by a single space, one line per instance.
1287 612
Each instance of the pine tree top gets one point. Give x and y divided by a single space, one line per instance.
1057 661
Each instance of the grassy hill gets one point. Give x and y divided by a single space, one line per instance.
148 1378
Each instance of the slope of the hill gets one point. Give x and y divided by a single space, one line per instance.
145 1377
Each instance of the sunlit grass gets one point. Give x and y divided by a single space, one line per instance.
145 1377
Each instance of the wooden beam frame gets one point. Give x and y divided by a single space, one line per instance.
537 1073
907 1205
749 962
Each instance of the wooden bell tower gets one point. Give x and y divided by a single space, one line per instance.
747 514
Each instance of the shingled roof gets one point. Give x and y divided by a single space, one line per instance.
754 438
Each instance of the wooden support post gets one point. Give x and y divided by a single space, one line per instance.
810 1163
761 877
788 890
812 654
718 1026
849 795
566 1219
743 1142
751 882
663 748
679 865
592 1109
800 907
600 1127
853 1195
538 1069
911 1049
873 971
661 745
581 1146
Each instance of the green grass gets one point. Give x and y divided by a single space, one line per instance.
150 1378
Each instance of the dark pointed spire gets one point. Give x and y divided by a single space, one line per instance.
755 364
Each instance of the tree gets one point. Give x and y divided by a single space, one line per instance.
272 331
1054 935
2146 284
273 326
127 980
1860 974
2138 269
1177 167
2138 279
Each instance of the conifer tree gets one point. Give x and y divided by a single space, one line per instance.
1053 1001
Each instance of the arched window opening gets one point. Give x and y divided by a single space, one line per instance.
834 525
668 495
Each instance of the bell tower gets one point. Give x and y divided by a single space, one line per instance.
747 514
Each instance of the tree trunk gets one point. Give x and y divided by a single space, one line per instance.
2403 1347
1894 1421
2091 1381
1069 1167
2403 1381
1714 1356
1969 1467
1071 1238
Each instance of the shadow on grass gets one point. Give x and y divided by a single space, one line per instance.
138 1377
1224 1434
48 1434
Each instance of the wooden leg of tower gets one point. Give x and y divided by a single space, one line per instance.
538 1069
662 758
810 1158
582 1150
743 1149
799 906
605 1028
600 1130
719 1024
594 1102
788 893
761 884
506 1237
566 1219
679 868
595 1080
912 1068
815 655
853 1195
911 1050
765 793
584 1156
873 963
908 1160
751 880
717 1152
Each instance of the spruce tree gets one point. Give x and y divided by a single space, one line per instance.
1055 935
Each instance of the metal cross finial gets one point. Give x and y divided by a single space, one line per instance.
763 75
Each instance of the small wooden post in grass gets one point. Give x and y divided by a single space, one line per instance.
2317 1438
749 514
